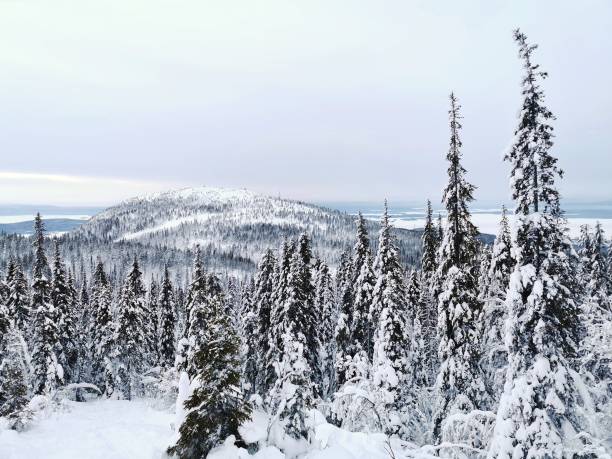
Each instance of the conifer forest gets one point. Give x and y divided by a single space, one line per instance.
242 325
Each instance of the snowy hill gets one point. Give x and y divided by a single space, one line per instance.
230 225
233 228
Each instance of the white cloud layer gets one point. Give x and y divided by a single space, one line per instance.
34 188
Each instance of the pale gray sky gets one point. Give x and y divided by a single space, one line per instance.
319 100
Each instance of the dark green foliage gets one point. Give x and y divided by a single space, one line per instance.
216 407
167 322
430 240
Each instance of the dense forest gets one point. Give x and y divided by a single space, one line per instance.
457 348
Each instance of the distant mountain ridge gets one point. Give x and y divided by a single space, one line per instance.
232 227
229 224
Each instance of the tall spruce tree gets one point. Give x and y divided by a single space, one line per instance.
343 332
363 282
295 388
249 351
459 384
537 405
167 325
427 304
325 309
310 317
389 311
494 353
595 268
596 343
216 408
13 371
130 337
18 300
62 298
262 310
421 353
195 311
279 297
430 244
152 315
101 330
48 373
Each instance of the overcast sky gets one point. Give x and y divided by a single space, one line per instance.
319 100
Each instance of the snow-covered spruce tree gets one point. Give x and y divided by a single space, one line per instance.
13 371
324 306
279 296
427 304
195 313
483 262
48 373
101 331
430 243
420 355
130 336
18 300
422 363
584 253
596 346
81 316
84 290
199 313
62 299
459 384
494 353
248 353
440 229
389 311
262 310
363 282
343 332
295 388
343 274
216 407
595 269
167 322
233 300
536 411
311 319
151 313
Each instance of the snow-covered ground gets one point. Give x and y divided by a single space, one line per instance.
119 429
99 429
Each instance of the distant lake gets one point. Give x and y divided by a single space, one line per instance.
484 215
16 219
